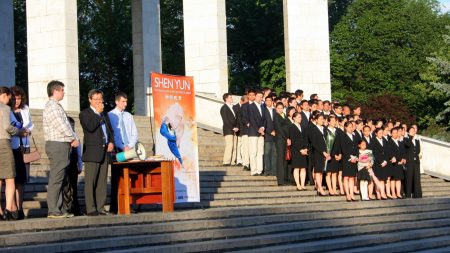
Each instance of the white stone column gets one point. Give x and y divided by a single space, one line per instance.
146 49
53 50
205 43
306 40
7 58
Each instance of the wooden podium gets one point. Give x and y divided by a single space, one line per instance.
145 182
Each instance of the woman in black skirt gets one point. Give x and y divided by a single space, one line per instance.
332 164
299 149
319 150
396 155
380 168
349 151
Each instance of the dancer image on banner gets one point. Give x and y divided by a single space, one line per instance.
168 132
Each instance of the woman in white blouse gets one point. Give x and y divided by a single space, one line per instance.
20 118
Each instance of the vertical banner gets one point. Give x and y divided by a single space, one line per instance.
176 131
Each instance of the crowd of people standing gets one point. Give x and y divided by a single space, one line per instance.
323 143
104 135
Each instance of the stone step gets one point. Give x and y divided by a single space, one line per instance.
316 239
232 228
428 244
361 237
225 213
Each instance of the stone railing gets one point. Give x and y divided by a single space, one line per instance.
435 157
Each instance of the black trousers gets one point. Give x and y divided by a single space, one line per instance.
95 185
309 169
280 146
70 194
413 186
270 158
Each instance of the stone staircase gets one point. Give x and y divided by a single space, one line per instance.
238 212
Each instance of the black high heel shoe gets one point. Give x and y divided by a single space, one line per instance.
9 216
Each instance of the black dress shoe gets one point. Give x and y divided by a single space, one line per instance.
246 168
95 213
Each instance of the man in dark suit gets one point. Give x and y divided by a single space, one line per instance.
256 135
230 127
98 141
270 155
306 114
245 126
281 126
238 112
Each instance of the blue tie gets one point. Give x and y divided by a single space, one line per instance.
123 131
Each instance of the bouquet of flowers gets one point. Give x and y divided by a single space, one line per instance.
365 159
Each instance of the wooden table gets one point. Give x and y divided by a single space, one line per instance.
145 182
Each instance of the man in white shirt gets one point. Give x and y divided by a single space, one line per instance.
125 138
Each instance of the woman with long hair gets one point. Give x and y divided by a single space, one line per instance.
7 170
20 118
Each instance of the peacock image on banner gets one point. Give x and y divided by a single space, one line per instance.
176 131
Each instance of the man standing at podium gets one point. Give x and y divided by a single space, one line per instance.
125 138
98 142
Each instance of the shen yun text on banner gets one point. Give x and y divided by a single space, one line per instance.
176 131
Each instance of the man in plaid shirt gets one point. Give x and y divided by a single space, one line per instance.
59 139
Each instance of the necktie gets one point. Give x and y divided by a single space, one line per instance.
123 130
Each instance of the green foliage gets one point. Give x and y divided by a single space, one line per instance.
380 47
273 74
255 43
439 77
105 49
20 43
172 37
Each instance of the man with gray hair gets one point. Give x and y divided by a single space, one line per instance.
59 139
98 142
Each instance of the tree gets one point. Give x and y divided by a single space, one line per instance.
255 42
20 43
172 37
439 76
380 47
105 49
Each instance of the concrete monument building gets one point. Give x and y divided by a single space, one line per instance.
53 47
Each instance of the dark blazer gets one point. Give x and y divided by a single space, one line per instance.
281 126
318 147
229 120
256 120
412 151
358 135
298 139
238 112
245 117
379 152
305 121
369 142
269 125
394 150
94 147
348 148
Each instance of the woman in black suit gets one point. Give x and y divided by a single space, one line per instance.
332 164
380 167
299 149
349 151
320 153
396 155
412 182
